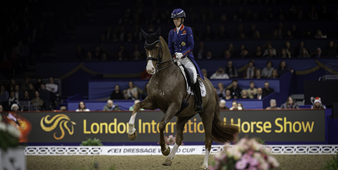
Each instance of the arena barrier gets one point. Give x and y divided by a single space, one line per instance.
274 126
156 150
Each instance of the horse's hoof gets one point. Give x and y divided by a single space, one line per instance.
167 162
132 136
166 152
203 167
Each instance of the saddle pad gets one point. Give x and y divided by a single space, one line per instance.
189 91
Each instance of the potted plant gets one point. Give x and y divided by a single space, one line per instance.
9 142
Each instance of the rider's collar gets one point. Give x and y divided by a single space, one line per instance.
181 28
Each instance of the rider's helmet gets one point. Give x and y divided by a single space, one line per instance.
178 13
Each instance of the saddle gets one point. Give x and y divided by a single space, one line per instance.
189 75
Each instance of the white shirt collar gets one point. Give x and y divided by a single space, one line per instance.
178 28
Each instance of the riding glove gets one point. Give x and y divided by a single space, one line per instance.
179 55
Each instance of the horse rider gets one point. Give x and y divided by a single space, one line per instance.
181 43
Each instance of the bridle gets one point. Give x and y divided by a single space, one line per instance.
158 61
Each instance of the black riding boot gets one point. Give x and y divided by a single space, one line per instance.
198 97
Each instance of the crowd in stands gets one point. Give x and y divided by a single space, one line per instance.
28 96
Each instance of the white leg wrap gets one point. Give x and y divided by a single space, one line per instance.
131 124
206 158
173 151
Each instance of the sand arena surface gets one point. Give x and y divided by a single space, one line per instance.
180 162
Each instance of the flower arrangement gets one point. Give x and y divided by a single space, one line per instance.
170 140
247 154
91 142
9 135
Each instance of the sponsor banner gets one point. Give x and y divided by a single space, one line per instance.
150 150
269 125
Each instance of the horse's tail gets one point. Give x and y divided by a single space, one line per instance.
222 132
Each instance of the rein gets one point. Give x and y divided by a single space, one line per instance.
158 61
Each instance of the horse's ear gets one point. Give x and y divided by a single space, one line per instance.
144 34
158 32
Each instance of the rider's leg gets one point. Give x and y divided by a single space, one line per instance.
196 88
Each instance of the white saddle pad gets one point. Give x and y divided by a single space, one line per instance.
189 91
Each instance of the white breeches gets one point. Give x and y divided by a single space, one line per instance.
189 65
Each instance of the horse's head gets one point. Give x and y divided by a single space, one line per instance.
153 49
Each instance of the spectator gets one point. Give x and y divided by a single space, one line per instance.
131 108
103 57
79 53
12 85
14 107
267 71
231 49
288 49
205 72
274 74
12 99
31 91
136 53
4 96
222 105
242 48
234 105
108 34
97 53
53 89
245 54
324 14
318 54
227 54
273 105
222 34
252 91
209 34
244 94
308 34
231 70
227 94
117 93
250 71
288 34
290 104
17 92
283 68
220 90
304 54
299 50
235 90
63 108
258 52
269 47
258 74
38 84
25 85
110 106
209 55
312 14
219 74
318 104
259 94
270 54
320 34
38 101
240 106
252 31
295 32
136 33
131 92
285 54
267 90
201 53
45 96
124 53
145 91
331 51
26 97
82 107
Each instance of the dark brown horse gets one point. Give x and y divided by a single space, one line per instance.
167 90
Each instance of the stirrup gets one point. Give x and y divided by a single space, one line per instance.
198 107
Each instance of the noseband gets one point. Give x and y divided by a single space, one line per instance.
158 61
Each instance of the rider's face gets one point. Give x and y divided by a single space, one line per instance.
177 21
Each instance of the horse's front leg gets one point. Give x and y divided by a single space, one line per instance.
171 112
145 104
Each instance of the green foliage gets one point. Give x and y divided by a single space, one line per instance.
332 164
261 141
91 142
7 141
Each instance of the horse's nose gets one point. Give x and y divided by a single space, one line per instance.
150 70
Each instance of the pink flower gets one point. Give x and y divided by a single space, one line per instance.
241 164
253 162
171 136
246 157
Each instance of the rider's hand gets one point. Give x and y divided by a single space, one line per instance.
179 55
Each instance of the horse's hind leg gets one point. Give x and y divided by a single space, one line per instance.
146 104
207 117
180 122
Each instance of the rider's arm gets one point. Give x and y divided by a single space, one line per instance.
190 42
